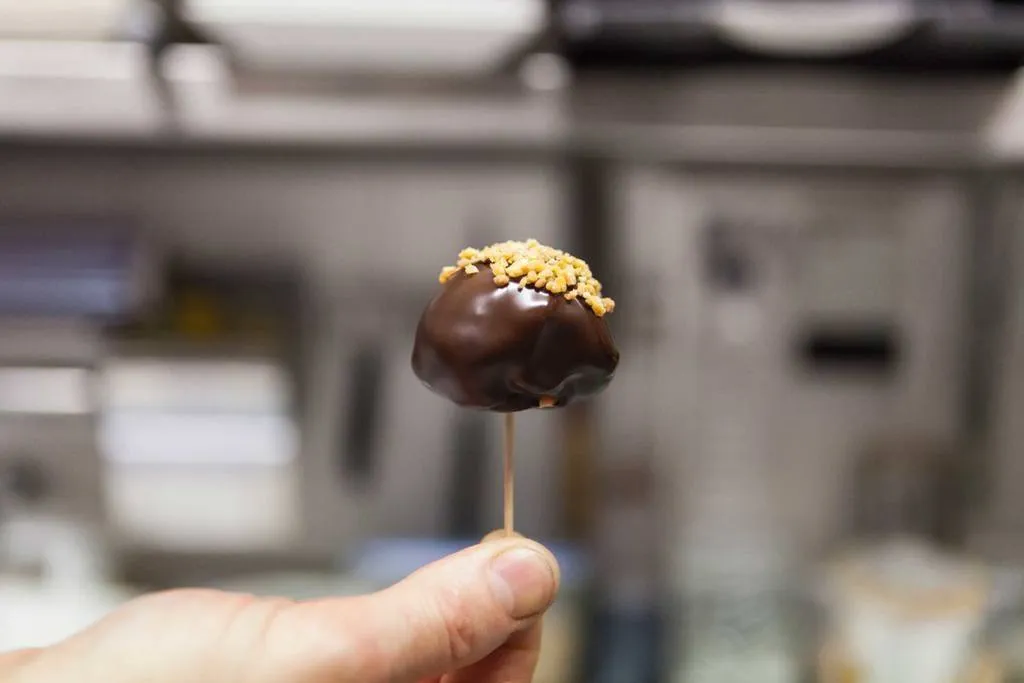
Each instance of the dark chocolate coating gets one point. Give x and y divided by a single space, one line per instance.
505 348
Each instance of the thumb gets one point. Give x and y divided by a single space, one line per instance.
456 611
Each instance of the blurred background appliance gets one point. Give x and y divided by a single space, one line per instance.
321 222
903 600
446 37
848 292
807 313
199 414
879 33
64 281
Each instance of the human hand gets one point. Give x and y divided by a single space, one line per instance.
473 616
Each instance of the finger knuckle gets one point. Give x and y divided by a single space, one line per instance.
460 630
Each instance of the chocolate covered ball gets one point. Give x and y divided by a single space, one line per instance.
516 325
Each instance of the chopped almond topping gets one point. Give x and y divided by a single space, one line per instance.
531 264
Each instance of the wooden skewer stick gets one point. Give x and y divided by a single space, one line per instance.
510 474
510 479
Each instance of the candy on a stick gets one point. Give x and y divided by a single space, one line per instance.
516 325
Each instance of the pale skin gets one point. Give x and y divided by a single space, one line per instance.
474 616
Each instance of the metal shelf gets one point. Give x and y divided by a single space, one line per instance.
103 97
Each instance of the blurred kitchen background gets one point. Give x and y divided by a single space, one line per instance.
219 221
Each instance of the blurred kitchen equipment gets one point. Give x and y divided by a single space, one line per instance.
196 411
736 557
846 298
720 392
198 426
806 314
63 281
881 33
904 604
412 213
906 611
460 37
205 466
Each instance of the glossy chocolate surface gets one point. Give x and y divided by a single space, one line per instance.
505 348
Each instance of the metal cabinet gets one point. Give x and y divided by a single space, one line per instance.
798 316
802 315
